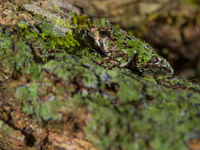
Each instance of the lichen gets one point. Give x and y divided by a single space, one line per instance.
134 113
33 102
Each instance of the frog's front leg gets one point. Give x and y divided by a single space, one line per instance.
133 64
130 61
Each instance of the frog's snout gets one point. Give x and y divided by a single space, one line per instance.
166 68
161 66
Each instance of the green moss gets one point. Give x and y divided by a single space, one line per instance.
6 130
166 123
48 40
134 113
27 96
53 109
81 21
33 103
16 55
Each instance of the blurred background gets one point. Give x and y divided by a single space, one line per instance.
172 27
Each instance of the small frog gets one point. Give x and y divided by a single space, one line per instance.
128 51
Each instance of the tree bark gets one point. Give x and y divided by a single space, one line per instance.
55 96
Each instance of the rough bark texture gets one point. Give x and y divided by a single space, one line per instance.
54 95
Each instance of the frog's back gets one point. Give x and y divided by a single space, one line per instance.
129 51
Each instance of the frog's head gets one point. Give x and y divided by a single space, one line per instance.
156 65
100 35
97 32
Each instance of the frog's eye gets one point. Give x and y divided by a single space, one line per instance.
147 46
128 37
102 32
154 59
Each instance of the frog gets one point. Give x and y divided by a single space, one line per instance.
128 51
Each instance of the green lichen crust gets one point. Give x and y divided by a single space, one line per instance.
126 113
52 74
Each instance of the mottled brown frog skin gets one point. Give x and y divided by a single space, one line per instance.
128 51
